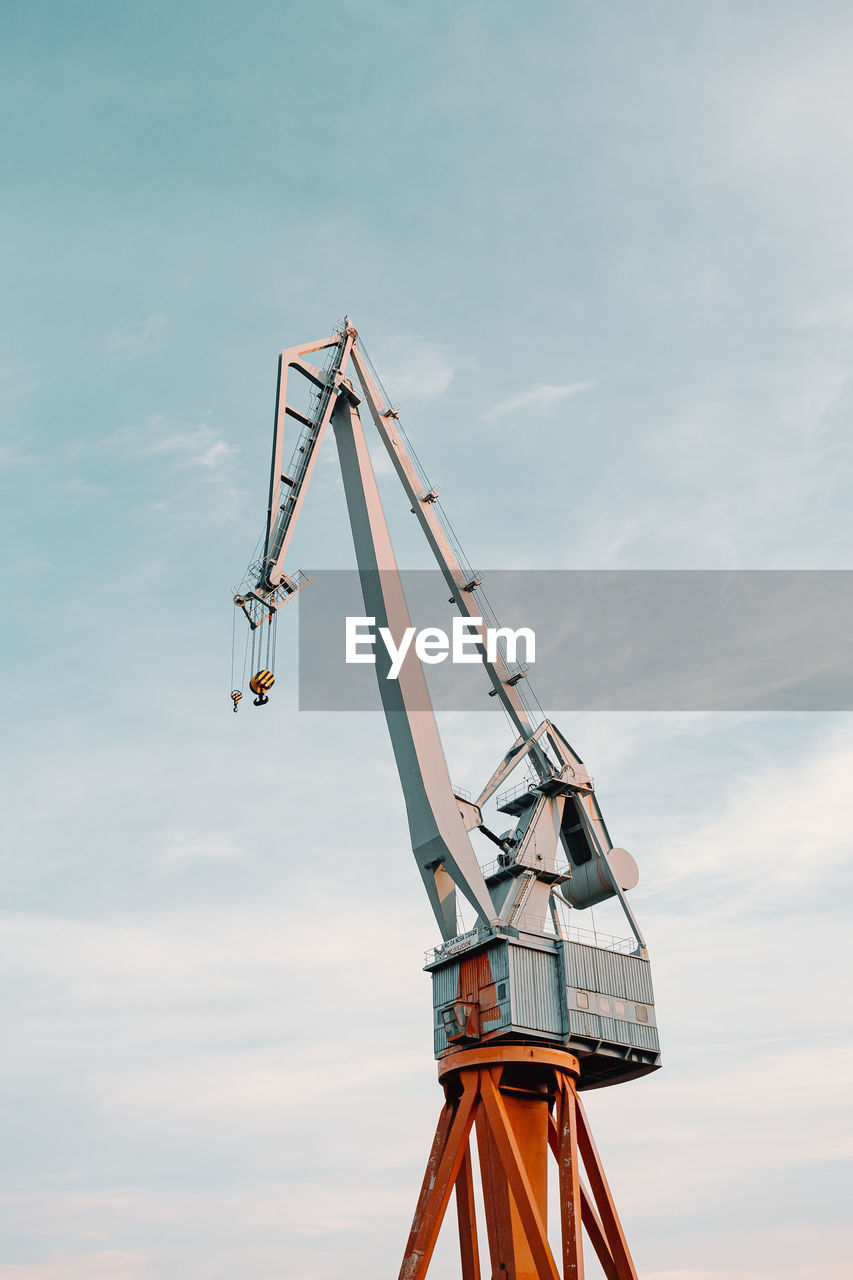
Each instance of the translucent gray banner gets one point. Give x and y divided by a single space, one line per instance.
744 640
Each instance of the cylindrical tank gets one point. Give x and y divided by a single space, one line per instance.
591 883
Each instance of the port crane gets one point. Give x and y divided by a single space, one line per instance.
529 1010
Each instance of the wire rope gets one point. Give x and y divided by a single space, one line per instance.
233 641
527 697
245 659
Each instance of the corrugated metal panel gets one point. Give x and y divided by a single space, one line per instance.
496 1024
537 995
613 1030
445 989
597 1028
643 1037
535 990
445 981
499 962
445 984
610 1029
608 972
584 1024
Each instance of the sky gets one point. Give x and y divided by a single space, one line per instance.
600 254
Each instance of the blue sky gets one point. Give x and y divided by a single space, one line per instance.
602 261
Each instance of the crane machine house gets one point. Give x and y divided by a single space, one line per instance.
525 972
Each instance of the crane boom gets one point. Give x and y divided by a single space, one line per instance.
282 516
462 587
440 843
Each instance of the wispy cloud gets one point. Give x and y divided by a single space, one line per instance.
200 446
764 851
18 380
99 1264
539 398
418 369
136 341
182 849
187 458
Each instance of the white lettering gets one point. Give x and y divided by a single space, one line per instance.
397 655
511 638
354 640
462 638
431 644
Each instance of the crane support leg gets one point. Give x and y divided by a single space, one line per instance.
523 1099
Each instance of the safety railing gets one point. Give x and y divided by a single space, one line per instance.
604 941
447 950
528 860
528 923
542 925
530 785
513 793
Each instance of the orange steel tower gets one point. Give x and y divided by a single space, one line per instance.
529 1010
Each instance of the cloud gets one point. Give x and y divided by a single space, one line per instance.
219 451
101 1264
776 836
201 450
182 849
136 341
794 116
418 370
199 446
19 379
539 398
680 1273
232 1080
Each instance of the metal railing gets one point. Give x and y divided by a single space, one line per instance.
513 793
603 941
259 608
530 784
447 950
529 860
528 923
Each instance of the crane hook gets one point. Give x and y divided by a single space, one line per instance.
236 695
260 684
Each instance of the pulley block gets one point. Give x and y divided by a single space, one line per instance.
260 684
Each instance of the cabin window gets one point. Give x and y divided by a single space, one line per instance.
604 1004
642 1013
502 991
583 1000
619 1008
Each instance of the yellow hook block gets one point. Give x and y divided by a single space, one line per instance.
260 684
